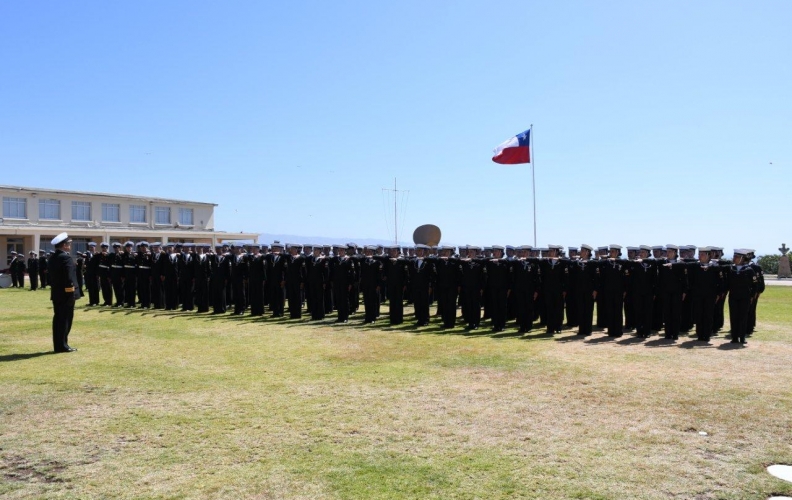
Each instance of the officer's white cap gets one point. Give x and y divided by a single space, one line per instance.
60 239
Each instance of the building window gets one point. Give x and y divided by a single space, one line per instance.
14 245
137 213
81 210
79 245
186 216
49 209
111 212
15 208
162 215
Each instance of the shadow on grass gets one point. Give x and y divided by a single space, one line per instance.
728 346
571 338
696 344
631 340
661 342
538 336
19 357
600 340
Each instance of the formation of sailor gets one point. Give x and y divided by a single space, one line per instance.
665 289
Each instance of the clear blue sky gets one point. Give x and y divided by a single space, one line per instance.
654 122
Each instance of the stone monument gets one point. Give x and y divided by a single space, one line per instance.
783 263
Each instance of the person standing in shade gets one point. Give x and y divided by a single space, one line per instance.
760 288
117 274
33 270
92 274
103 271
157 293
144 263
12 270
63 292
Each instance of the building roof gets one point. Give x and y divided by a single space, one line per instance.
108 195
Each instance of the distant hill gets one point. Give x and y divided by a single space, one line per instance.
323 240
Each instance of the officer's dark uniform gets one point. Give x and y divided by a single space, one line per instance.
318 283
64 293
43 261
586 276
672 284
499 282
157 292
614 275
117 274
643 279
447 285
276 277
527 282
422 275
760 288
706 282
130 275
144 263
170 273
743 284
342 275
33 271
201 272
296 273
92 275
258 276
220 267
371 274
12 270
555 274
187 278
103 271
396 276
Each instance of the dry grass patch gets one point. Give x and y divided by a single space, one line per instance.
164 405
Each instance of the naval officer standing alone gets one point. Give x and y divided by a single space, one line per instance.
63 291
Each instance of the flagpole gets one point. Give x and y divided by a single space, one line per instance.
533 180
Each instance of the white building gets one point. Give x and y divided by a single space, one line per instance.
31 217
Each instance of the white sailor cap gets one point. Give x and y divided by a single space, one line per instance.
63 237
524 247
646 247
632 249
373 248
704 249
421 246
716 249
91 243
156 244
599 249
587 247
473 247
498 247
672 247
615 247
555 247
129 244
688 247
143 244
509 247
277 244
741 251
657 247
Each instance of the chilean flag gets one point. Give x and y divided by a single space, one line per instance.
515 150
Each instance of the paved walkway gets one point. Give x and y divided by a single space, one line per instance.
771 280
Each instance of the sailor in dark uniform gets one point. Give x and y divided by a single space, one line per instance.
658 254
687 254
43 269
422 275
643 283
743 284
571 298
32 265
371 275
585 274
117 273
673 285
725 265
706 282
447 282
760 288
296 273
79 265
257 269
187 277
629 303
396 274
342 275
527 282
602 314
239 278
276 277
92 259
499 282
103 272
318 281
201 274
555 276
614 275
170 276
64 292
328 293
144 263
157 292
129 274
12 270
220 275
473 285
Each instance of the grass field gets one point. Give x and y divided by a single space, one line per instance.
176 405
